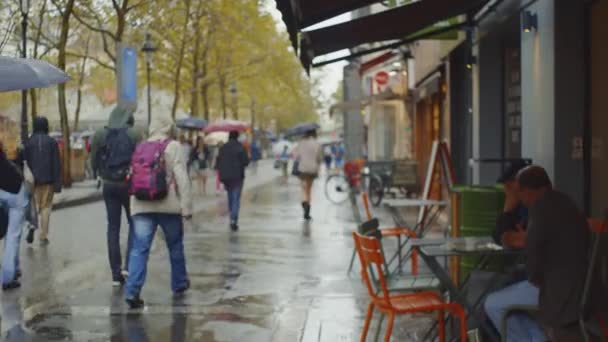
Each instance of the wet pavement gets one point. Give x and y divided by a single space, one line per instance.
277 279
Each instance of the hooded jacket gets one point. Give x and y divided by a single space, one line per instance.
42 155
179 199
232 161
121 117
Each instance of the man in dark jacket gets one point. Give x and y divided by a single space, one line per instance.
105 150
231 163
14 198
557 247
42 156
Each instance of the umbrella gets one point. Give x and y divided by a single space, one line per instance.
191 123
23 74
227 126
301 129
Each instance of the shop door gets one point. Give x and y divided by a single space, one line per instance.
428 126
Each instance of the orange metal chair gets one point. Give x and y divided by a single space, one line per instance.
370 255
397 232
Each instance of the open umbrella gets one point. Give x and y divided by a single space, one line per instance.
301 129
23 74
191 123
227 126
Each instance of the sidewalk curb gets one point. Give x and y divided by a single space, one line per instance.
98 196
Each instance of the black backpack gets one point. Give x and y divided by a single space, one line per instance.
115 155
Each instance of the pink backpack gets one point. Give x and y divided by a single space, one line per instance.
148 180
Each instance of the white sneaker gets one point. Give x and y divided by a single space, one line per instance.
116 283
125 273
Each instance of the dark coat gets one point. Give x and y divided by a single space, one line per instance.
10 176
557 250
42 155
232 161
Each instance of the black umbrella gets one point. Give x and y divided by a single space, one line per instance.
191 123
301 129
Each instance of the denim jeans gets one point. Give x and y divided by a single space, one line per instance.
15 204
234 201
144 229
520 326
116 198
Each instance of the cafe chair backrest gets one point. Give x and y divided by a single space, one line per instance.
370 255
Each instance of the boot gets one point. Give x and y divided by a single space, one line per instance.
306 207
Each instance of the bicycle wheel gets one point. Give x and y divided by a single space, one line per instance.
336 189
375 190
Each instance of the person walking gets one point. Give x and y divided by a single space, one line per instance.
161 197
14 199
256 155
308 155
218 183
186 149
200 164
284 160
111 150
41 153
327 158
231 163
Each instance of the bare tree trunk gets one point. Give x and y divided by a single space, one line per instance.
196 63
63 110
222 85
180 61
37 38
252 114
33 104
205 97
83 68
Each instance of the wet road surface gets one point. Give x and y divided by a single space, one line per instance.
277 279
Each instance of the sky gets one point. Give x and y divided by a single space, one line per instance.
330 74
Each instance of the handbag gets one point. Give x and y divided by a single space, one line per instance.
295 171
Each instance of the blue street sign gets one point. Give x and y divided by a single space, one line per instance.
127 76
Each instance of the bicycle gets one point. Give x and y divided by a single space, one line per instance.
355 178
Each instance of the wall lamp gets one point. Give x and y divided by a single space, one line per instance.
529 21
471 60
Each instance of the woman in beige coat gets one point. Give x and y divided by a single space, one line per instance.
309 156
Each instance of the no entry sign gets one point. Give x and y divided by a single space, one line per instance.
381 78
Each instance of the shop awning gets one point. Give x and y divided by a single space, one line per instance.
299 14
394 24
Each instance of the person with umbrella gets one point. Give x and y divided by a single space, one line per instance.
19 74
231 163
308 157
15 198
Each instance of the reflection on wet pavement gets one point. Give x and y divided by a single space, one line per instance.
277 279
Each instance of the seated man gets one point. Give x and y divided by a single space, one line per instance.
556 243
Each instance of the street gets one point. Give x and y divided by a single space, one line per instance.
277 279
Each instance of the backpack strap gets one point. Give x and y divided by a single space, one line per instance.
163 147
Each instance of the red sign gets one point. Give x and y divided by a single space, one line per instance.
381 77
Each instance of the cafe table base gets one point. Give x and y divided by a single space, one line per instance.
431 252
